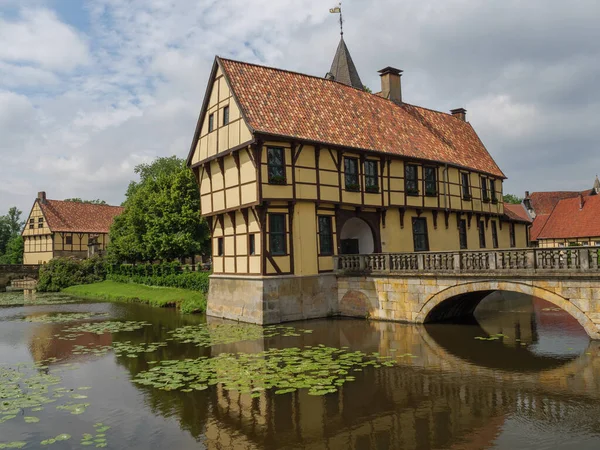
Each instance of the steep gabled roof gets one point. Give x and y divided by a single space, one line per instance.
293 105
570 220
343 69
538 224
78 217
516 212
544 202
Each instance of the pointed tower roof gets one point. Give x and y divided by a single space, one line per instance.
343 68
596 187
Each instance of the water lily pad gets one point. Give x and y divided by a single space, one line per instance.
31 419
62 317
321 370
207 335
16 444
106 327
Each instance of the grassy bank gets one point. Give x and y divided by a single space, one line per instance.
188 301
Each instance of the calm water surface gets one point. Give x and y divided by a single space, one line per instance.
536 388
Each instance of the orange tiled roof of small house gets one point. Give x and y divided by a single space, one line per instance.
79 217
516 212
276 102
544 202
573 218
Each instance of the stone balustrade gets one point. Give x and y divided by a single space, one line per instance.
525 260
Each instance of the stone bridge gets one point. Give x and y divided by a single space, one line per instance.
14 272
439 286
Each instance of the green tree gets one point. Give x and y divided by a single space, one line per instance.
79 200
14 251
10 227
161 220
510 198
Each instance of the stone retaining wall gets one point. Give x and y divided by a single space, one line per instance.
272 300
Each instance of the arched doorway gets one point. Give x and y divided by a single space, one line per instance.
356 237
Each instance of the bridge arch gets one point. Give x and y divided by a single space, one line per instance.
462 299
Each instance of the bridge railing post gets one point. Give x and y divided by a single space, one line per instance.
420 261
584 259
531 260
492 260
388 263
456 262
336 263
362 262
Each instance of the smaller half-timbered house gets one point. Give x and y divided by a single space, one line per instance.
64 228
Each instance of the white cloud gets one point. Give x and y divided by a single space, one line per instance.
84 109
38 37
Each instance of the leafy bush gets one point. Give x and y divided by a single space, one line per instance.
194 281
61 273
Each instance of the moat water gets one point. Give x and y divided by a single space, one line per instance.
523 375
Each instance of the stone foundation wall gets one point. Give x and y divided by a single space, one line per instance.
272 300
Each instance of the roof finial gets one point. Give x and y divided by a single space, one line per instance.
338 10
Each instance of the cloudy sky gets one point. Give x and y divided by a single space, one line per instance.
89 89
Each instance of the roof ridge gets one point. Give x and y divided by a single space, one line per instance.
84 203
293 72
434 110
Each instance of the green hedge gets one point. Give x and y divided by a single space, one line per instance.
61 273
195 281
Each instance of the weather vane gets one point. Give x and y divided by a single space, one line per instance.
338 10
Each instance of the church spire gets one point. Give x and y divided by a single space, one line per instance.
343 68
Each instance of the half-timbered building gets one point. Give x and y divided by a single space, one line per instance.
64 228
294 169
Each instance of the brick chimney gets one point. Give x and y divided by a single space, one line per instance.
391 87
528 206
460 113
42 197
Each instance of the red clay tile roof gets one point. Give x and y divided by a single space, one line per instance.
79 217
538 223
569 220
544 202
283 103
516 212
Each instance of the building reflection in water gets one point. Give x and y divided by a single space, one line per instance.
457 392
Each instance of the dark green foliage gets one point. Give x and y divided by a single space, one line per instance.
10 238
160 275
512 199
161 220
79 200
61 273
14 251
